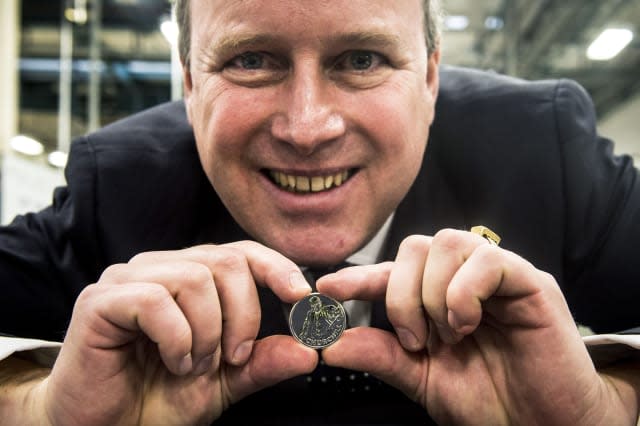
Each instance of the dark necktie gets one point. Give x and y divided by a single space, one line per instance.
327 379
314 274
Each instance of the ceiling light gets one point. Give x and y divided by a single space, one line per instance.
169 29
76 15
608 44
493 23
26 145
58 159
456 22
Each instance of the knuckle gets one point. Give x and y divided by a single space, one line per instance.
229 258
144 257
113 273
155 297
415 243
549 278
88 294
491 254
194 274
247 245
90 301
201 250
449 238
550 283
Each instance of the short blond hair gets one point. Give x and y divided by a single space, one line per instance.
432 27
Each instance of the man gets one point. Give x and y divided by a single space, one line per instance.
310 120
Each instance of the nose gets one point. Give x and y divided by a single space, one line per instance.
309 115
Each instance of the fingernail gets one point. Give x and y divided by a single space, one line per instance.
408 339
297 281
454 321
457 324
185 365
242 353
203 366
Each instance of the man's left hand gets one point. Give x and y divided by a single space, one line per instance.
481 337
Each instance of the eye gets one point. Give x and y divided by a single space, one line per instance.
249 61
359 60
255 68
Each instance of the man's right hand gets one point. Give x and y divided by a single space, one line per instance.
170 338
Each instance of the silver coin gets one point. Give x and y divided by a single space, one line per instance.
317 320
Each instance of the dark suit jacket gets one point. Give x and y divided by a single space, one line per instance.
522 158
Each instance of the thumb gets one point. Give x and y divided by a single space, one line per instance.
379 353
273 359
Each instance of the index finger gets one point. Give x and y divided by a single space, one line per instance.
275 271
449 250
268 267
364 282
236 268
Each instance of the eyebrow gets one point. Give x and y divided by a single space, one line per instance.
375 38
239 42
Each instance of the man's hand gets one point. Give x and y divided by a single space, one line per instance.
481 337
170 338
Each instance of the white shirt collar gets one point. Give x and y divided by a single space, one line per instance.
370 253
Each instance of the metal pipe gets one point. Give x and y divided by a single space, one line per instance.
95 66
66 74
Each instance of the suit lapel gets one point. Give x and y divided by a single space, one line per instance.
430 205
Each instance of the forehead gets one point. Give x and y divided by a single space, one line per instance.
307 18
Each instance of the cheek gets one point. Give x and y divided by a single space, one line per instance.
399 120
398 125
228 118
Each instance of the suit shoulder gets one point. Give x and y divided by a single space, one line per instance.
465 86
154 143
161 128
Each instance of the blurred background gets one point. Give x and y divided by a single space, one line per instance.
71 66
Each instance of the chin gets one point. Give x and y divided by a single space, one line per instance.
317 254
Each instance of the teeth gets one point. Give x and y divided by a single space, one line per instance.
291 180
309 184
317 183
302 183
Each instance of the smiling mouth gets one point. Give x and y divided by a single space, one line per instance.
309 184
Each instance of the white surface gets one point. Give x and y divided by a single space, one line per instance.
45 352
623 127
27 185
632 340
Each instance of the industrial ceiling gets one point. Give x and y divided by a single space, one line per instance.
532 39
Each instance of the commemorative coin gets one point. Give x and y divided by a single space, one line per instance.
317 320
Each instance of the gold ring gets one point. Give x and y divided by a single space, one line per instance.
487 234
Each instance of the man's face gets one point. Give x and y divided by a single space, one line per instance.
311 116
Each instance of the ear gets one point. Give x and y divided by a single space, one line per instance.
433 73
187 84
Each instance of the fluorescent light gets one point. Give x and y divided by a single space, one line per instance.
456 22
77 15
58 159
169 29
26 145
149 68
493 23
608 44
